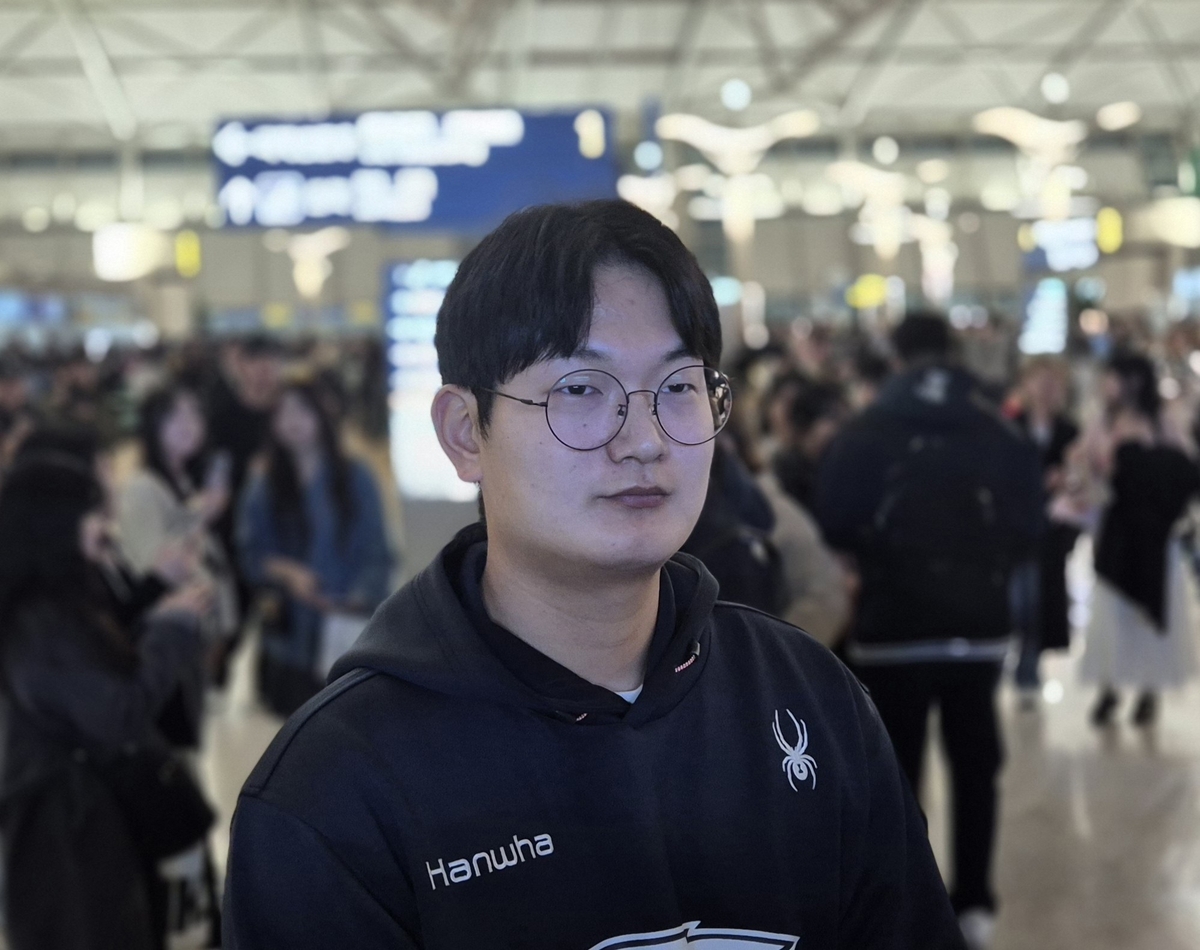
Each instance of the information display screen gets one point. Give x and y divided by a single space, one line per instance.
413 293
462 170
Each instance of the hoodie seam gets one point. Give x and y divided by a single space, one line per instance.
292 727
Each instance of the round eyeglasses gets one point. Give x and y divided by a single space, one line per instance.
587 408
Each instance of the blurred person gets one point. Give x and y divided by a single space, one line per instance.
1041 604
869 372
173 499
239 406
777 399
733 537
81 693
556 734
1141 631
17 416
936 497
816 586
311 527
812 417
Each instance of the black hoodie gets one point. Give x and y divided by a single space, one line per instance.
432 797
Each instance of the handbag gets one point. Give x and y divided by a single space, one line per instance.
163 806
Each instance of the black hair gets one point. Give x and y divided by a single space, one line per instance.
258 345
923 335
526 292
287 495
155 409
812 402
44 499
66 443
1139 383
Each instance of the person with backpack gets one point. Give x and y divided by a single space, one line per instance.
733 537
936 497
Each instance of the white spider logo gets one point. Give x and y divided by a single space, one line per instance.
797 763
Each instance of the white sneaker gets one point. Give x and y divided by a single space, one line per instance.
978 928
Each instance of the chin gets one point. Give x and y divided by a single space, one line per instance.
639 550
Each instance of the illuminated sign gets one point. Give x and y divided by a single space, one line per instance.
412 295
460 170
1046 315
1062 246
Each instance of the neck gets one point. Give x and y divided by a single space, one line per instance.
600 630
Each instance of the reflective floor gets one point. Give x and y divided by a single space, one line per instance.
1099 844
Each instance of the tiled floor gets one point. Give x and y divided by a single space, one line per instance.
1099 845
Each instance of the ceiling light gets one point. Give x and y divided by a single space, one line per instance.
1118 115
648 156
1056 88
822 199
999 196
127 251
736 94
968 222
35 219
885 150
933 170
937 204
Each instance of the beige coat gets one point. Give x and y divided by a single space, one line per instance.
818 601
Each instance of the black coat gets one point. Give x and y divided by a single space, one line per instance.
1057 543
74 879
1151 488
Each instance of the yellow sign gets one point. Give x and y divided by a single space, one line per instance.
870 290
187 254
1110 230
277 316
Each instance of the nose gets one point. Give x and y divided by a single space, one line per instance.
641 436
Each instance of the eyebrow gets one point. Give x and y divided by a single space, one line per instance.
598 356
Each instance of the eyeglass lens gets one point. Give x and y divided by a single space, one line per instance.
586 409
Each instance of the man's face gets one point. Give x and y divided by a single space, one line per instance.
565 512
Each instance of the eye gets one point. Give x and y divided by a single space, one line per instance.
577 389
679 389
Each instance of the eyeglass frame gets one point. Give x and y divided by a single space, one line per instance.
545 406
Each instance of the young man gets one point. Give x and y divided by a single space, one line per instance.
556 737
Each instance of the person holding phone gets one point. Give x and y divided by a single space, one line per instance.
167 508
312 542
81 688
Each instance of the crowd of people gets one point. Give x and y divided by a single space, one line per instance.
123 595
919 521
873 492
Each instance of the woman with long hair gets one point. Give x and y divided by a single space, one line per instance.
310 530
80 689
175 496
1141 633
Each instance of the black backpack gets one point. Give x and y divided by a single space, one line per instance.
733 540
940 547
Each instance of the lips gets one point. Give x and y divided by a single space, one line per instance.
639 497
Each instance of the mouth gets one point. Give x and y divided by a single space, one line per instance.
639 497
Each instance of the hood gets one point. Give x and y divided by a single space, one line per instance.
933 393
422 635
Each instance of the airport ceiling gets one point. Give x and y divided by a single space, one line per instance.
80 75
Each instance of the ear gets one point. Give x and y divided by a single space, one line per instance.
454 418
